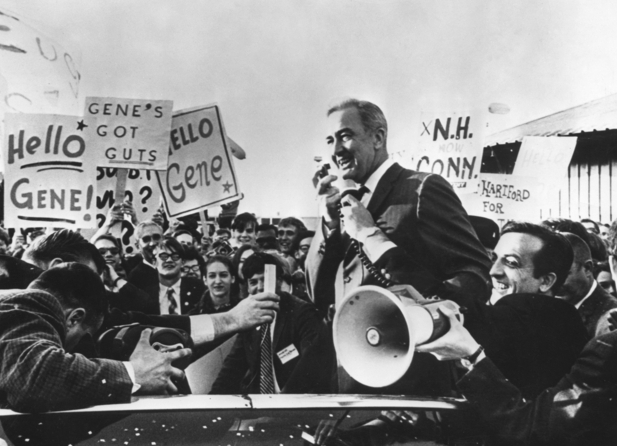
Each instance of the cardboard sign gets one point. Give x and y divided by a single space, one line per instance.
448 144
50 172
141 188
547 159
41 76
200 173
129 133
504 197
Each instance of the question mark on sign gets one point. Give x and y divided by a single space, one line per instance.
145 196
127 232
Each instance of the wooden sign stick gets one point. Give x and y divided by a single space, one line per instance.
116 229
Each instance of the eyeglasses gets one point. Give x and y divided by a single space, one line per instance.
149 238
163 256
112 251
194 268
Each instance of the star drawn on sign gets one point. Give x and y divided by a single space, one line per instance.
81 125
227 187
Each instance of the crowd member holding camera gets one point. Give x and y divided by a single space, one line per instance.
39 329
266 359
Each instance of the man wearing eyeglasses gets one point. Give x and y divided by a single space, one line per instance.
144 275
176 294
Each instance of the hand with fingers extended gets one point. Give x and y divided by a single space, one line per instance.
255 310
329 199
457 343
356 218
153 369
128 209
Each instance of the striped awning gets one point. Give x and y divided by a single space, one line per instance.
597 115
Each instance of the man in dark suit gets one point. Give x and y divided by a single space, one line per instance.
141 270
417 212
580 409
410 225
176 294
582 290
294 329
39 330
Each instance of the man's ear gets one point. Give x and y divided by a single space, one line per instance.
54 262
547 281
75 316
380 138
588 266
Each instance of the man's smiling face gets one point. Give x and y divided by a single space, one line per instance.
513 267
353 148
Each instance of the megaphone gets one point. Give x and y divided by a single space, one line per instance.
376 331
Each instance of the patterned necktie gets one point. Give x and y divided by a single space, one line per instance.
266 374
173 306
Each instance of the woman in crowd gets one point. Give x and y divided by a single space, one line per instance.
222 294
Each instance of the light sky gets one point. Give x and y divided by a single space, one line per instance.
274 66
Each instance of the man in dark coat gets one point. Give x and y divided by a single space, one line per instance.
405 225
294 329
582 290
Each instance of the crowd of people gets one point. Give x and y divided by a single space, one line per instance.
536 356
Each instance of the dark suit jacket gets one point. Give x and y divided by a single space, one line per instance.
146 278
421 214
297 324
581 409
423 217
36 374
533 339
593 310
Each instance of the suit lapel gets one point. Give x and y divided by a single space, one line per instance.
385 185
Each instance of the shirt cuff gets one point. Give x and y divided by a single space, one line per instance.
131 371
202 328
375 243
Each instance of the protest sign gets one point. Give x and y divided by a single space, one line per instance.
503 197
129 133
200 173
41 76
448 144
50 172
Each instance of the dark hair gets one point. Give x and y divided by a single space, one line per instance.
238 255
243 220
173 245
595 224
266 227
67 245
191 253
566 225
110 238
600 267
293 221
555 256
371 116
225 261
74 285
597 245
221 231
581 250
255 264
302 236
